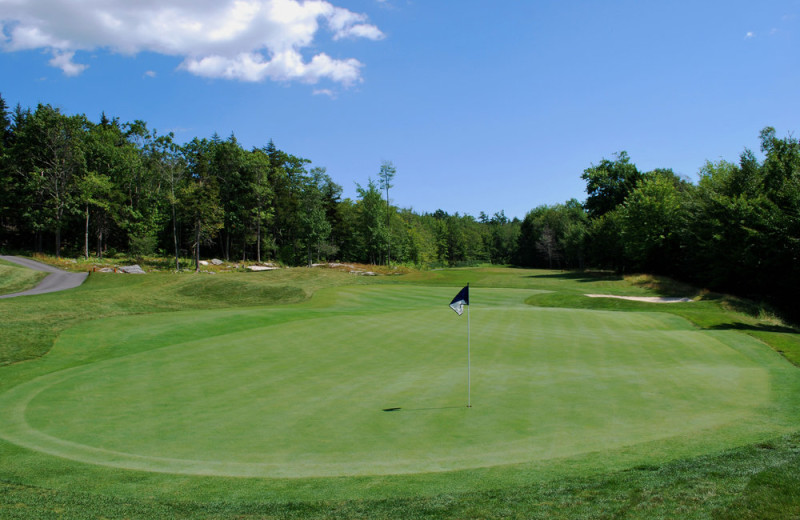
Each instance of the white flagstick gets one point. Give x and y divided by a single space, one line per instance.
469 378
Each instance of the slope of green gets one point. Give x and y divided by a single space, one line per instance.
242 408
15 278
32 323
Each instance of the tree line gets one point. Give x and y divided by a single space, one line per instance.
72 186
737 229
76 187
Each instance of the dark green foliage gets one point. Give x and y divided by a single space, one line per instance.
736 230
554 237
112 186
372 223
68 183
609 183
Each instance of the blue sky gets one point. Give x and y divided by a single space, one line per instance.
481 106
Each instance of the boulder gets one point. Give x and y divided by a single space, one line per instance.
131 269
216 261
261 268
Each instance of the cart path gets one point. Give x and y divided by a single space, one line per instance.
57 280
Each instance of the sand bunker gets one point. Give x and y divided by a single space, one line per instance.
650 299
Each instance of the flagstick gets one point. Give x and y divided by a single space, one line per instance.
469 378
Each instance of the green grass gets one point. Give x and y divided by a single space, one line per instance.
32 323
15 278
199 396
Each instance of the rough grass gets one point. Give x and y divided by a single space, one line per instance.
754 481
15 278
32 323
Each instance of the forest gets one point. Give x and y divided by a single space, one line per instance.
73 187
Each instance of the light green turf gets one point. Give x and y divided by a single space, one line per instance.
299 391
15 278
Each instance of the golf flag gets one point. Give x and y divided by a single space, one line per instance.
461 299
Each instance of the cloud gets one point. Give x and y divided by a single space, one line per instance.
63 60
325 92
246 40
150 74
749 35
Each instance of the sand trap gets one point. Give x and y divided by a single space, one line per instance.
649 299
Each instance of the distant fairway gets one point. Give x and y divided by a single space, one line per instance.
299 390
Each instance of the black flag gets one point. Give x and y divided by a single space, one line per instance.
461 299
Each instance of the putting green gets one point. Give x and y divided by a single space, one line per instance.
300 391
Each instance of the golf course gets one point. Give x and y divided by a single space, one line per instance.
317 393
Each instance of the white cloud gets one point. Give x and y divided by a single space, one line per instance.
246 40
150 74
325 92
749 35
346 24
63 60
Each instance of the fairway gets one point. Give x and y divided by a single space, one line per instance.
300 390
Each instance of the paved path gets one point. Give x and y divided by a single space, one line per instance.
57 280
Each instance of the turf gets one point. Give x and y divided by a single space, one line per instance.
301 393
286 403
15 278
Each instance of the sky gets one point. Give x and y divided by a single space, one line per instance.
482 106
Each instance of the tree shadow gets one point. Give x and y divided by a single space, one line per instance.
761 327
580 276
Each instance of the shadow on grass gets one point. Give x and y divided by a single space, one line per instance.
581 276
760 327
399 409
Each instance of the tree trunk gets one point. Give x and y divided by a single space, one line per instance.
59 212
197 247
388 234
258 241
86 236
175 238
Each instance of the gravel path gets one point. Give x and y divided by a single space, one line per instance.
57 280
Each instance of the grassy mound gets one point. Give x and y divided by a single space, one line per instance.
15 278
218 403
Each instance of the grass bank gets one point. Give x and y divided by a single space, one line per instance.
758 480
15 278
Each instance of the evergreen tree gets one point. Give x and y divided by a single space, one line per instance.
372 223
385 177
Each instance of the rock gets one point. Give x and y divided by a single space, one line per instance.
106 270
261 268
216 261
203 262
131 269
